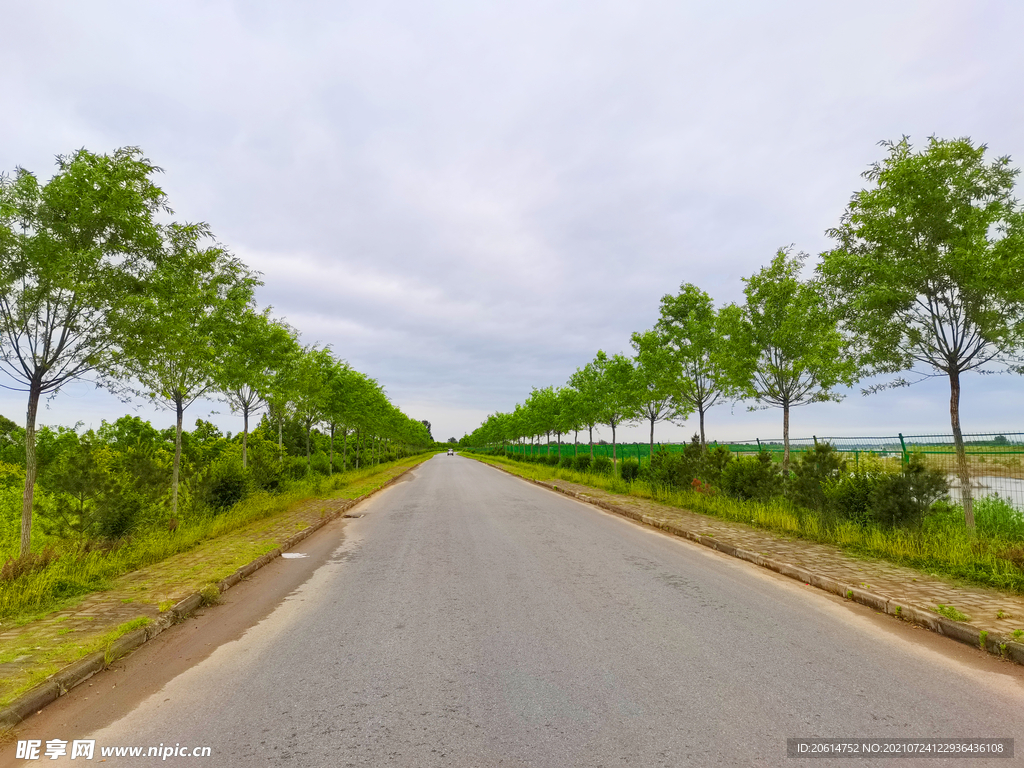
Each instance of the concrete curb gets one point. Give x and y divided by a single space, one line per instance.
968 634
73 675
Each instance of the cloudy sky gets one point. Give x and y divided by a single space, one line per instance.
469 199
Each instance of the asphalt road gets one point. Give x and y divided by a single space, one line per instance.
473 619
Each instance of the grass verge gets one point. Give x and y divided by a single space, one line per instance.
69 572
942 547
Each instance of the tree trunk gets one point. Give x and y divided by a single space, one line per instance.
31 467
180 412
280 438
591 441
344 449
785 438
330 463
576 443
613 447
245 435
309 457
652 442
963 469
703 440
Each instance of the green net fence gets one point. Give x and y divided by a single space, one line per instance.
995 462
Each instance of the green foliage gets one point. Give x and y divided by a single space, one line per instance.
679 470
226 483
951 613
695 335
813 473
787 348
888 499
755 478
630 469
581 463
552 459
930 260
566 462
602 465
902 499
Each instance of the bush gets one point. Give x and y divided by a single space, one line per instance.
666 469
226 484
566 462
902 500
849 497
891 499
552 460
812 474
679 470
581 463
756 478
602 465
630 469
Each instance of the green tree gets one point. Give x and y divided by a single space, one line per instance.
261 347
657 380
310 389
74 256
786 348
192 313
695 333
587 383
929 270
616 377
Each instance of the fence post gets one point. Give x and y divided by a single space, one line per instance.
758 439
903 446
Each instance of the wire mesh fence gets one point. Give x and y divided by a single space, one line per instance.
995 462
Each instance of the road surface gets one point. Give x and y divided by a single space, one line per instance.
473 619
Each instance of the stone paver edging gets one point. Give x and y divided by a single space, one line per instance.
993 642
78 672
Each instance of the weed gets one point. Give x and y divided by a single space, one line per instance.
165 606
951 613
1000 614
1017 633
899 612
849 594
209 595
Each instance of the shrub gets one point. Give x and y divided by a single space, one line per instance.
902 500
755 477
891 499
565 462
581 463
226 484
849 497
552 460
630 469
666 469
602 465
812 474
679 470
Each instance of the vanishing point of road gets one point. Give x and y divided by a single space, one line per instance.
470 618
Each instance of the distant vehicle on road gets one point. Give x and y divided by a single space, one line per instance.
451 452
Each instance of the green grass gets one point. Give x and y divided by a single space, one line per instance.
993 557
73 573
951 613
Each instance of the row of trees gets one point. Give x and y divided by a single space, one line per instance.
95 283
927 277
